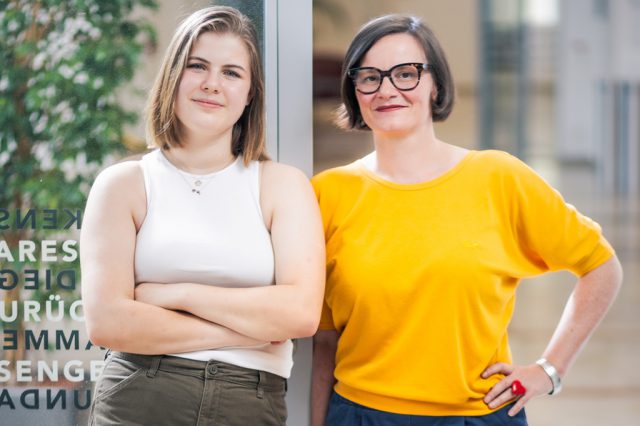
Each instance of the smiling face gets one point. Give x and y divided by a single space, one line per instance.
214 87
390 111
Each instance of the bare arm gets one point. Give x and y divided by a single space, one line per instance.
113 318
325 343
289 309
593 295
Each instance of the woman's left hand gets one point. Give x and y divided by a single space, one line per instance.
532 377
160 295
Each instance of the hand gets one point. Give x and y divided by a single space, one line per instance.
161 295
532 377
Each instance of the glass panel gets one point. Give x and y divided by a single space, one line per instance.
254 10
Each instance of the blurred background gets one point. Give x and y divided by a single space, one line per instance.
554 82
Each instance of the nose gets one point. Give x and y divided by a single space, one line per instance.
211 82
386 87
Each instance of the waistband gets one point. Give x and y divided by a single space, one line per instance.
212 369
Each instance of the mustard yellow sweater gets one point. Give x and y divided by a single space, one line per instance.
421 278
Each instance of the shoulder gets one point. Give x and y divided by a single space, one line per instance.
120 175
513 177
121 184
502 165
497 159
337 176
117 194
281 173
282 181
283 189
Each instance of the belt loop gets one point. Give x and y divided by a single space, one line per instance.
262 377
153 368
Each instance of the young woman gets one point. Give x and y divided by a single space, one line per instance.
426 244
202 260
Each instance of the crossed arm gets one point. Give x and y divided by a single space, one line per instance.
289 309
117 319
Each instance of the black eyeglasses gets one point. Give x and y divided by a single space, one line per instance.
403 77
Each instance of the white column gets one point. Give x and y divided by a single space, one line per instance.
288 73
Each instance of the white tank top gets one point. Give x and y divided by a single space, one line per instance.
214 237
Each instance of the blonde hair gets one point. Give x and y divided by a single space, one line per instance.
163 129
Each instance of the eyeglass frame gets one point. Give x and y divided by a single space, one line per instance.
419 67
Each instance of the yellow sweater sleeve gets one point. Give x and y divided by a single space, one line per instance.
551 233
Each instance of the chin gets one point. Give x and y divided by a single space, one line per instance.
393 128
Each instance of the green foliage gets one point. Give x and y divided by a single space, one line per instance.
61 63
59 119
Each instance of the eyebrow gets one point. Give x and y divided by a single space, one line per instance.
198 58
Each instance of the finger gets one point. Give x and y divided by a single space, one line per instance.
519 405
502 399
497 368
500 388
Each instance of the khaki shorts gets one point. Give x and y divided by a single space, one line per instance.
164 390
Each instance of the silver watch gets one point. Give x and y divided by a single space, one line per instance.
551 371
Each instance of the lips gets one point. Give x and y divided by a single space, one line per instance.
208 103
388 108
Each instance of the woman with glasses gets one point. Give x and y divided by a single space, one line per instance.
202 260
426 244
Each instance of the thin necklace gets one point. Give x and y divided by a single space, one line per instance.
195 184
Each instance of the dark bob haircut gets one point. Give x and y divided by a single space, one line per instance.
348 115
